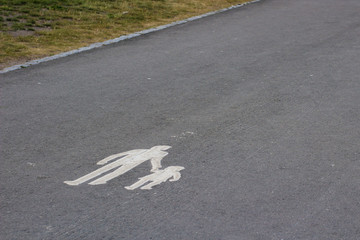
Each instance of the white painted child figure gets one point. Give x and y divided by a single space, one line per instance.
158 177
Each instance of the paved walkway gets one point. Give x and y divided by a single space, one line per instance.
261 108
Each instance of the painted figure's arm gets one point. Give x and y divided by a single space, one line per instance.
176 177
112 157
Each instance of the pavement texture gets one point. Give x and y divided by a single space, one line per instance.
261 105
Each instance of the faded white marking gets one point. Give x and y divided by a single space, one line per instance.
183 135
31 164
49 228
129 160
158 177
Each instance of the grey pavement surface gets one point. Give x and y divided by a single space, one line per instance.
261 105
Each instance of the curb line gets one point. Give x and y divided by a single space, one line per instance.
116 40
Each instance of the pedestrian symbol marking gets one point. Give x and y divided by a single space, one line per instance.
129 160
121 163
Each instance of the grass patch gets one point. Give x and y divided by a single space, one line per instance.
31 29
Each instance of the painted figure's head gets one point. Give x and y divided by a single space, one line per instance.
161 148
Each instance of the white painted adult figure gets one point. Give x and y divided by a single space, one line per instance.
129 160
158 177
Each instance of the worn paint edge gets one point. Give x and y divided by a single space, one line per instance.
121 38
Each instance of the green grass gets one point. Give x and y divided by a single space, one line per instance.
31 29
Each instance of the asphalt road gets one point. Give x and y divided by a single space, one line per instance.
260 104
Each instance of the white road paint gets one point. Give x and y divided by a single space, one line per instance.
158 177
129 160
183 135
115 40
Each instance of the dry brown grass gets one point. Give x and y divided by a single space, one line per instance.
31 29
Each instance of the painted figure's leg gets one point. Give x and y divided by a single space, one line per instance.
137 184
150 185
114 174
93 174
